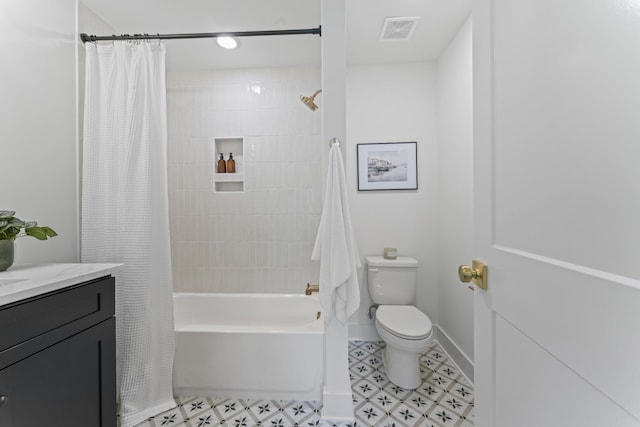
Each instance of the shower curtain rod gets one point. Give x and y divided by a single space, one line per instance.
92 38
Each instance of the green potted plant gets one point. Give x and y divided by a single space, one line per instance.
11 228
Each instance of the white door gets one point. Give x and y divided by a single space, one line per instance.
557 212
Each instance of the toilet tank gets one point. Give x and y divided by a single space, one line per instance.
392 281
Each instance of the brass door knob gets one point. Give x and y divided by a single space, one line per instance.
477 274
466 273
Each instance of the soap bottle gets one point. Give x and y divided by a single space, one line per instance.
231 164
222 167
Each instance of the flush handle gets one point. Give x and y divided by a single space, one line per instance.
477 274
3 400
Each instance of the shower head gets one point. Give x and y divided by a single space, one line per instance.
308 100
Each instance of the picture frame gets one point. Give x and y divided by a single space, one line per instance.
387 166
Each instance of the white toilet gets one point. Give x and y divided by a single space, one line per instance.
406 330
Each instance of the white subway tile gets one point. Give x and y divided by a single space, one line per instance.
261 240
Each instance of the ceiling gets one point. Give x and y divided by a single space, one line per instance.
439 22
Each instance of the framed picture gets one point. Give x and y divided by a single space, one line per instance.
387 166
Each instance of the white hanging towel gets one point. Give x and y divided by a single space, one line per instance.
335 247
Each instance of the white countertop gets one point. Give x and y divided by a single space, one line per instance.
26 281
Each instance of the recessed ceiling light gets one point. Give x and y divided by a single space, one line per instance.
227 42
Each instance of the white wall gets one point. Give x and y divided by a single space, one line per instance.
38 122
455 189
259 240
395 103
431 104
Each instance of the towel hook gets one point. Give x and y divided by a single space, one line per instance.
334 141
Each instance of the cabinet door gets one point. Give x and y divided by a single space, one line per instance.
69 384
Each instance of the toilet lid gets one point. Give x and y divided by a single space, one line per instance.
404 321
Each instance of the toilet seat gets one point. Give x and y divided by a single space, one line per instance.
404 321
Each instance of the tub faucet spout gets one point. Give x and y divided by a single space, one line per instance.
311 289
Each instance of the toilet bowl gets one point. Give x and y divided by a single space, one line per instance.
406 330
407 333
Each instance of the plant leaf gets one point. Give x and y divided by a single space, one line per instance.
50 232
9 231
16 222
6 214
36 232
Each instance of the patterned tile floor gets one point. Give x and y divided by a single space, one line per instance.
445 399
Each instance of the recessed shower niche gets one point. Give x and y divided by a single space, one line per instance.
228 165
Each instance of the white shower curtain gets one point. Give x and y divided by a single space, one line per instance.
125 214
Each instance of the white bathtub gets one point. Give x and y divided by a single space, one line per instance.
251 346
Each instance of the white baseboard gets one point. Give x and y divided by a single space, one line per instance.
337 407
457 356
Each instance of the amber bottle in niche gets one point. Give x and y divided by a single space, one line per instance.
231 164
222 166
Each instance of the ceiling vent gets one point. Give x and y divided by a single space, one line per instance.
398 28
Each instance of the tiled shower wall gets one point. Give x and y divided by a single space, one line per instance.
260 240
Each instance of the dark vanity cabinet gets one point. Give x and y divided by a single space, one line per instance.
57 358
